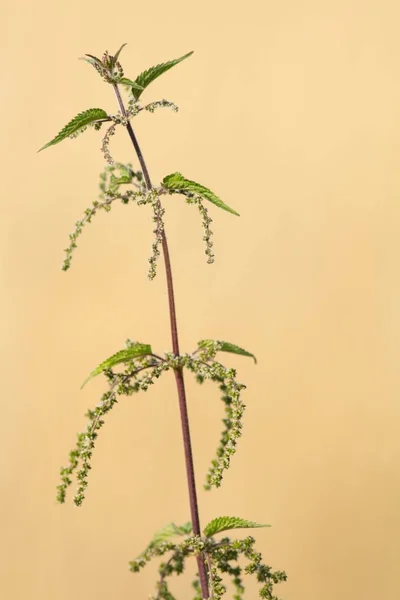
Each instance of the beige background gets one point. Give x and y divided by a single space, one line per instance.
289 111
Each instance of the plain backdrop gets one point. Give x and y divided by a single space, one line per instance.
290 111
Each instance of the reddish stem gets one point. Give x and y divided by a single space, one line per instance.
180 383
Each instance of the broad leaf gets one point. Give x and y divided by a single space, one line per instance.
126 176
82 120
227 347
145 78
168 532
116 181
134 351
133 84
177 183
224 523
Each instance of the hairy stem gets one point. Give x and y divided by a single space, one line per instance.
180 384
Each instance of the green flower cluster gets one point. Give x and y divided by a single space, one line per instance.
109 186
126 383
206 220
221 558
234 409
161 104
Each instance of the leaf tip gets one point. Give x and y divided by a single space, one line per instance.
44 147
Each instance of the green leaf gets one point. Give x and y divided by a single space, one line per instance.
116 181
92 60
82 120
168 532
145 78
136 350
136 86
223 523
177 183
227 347
116 55
126 176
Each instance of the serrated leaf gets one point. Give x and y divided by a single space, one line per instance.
227 347
177 183
168 532
81 120
145 78
134 351
224 523
126 81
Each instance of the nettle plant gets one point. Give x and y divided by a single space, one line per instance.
136 367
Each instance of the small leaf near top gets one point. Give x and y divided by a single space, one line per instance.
118 52
224 523
136 350
145 78
175 182
92 60
227 347
81 120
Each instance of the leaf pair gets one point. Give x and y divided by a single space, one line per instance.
215 526
137 350
93 115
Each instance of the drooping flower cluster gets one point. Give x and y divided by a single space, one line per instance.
127 382
108 196
205 220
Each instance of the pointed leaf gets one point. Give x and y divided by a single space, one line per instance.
227 347
97 60
177 183
89 60
82 120
136 86
118 52
145 78
224 523
134 351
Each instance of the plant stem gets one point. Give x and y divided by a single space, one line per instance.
180 383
